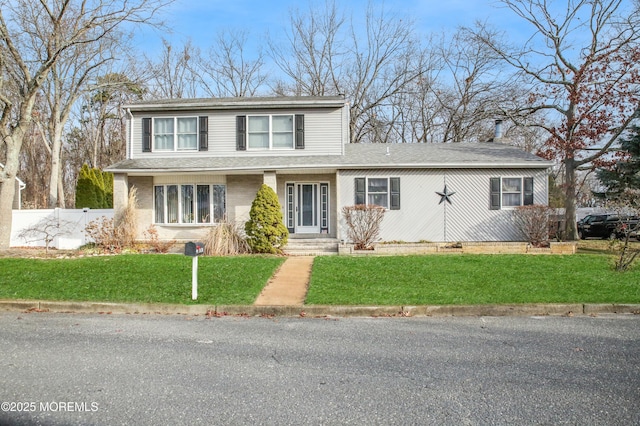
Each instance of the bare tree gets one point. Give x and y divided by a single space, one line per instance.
379 68
173 76
34 37
476 92
313 58
371 62
47 230
227 71
581 65
74 73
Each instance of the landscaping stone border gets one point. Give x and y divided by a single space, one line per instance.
488 247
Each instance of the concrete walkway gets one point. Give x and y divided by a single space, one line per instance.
288 286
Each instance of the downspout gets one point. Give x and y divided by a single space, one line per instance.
130 129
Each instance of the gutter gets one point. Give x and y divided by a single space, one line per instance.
330 166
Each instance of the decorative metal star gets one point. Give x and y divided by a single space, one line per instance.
445 195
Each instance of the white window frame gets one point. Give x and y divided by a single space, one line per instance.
181 220
367 192
385 193
175 134
520 193
271 132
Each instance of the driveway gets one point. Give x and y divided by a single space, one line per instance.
66 369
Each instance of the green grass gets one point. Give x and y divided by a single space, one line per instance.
471 279
137 278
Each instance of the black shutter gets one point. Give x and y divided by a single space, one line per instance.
241 133
395 194
527 200
204 134
360 191
146 135
495 193
299 131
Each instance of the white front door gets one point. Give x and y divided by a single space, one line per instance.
307 208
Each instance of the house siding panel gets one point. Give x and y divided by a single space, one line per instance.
323 134
423 218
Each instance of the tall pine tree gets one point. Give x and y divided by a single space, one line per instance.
625 174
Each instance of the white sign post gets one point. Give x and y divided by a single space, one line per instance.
194 250
194 278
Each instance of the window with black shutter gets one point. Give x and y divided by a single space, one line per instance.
204 134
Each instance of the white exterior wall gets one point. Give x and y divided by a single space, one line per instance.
422 218
323 133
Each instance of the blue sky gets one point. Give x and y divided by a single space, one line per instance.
200 20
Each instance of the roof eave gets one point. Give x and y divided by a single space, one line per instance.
234 104
539 165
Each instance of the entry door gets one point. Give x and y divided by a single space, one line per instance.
308 208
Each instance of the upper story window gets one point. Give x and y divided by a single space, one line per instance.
265 132
174 134
270 132
509 192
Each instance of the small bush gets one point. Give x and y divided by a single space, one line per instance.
118 234
105 235
533 223
225 239
363 225
154 243
265 228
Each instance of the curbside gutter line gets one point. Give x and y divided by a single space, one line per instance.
315 311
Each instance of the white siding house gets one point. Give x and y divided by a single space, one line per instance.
195 162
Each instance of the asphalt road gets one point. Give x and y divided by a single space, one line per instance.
68 369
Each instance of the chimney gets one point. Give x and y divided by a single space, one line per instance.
498 135
498 131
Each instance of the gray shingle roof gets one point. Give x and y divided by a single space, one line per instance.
276 102
356 156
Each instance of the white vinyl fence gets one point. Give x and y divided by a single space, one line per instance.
66 225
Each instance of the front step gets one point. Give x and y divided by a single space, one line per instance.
311 246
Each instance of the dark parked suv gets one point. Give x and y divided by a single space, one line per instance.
605 225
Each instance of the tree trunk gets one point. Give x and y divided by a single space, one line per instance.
570 227
55 130
8 188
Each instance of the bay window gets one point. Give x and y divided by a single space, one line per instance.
189 204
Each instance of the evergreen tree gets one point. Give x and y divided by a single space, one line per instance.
625 174
98 182
265 229
94 189
86 189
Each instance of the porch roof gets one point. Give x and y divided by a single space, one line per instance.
356 156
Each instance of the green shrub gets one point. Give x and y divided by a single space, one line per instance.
265 229
94 189
86 190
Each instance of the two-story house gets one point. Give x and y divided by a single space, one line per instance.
196 162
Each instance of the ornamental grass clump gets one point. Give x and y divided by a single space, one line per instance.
265 228
225 239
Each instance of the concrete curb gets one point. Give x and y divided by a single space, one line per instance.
320 310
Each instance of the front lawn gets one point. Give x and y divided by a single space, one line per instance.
471 279
137 278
